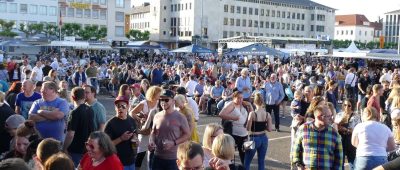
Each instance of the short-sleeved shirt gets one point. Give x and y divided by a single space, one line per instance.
364 81
111 162
25 103
199 88
80 120
51 128
115 127
169 128
91 72
375 103
217 91
99 116
39 73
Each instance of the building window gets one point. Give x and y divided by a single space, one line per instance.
250 23
321 28
165 19
225 21
288 15
266 24
302 27
87 1
119 16
244 10
119 31
243 23
103 14
273 13
298 16
278 25
256 24
302 16
226 8
70 12
293 15
232 22
3 7
278 14
283 14
283 26
79 13
272 25
267 14
312 28
12 8
261 24
365 33
255 11
288 26
95 1
262 12
172 8
43 10
95 13
23 8
232 9
231 34
351 32
87 13
293 26
238 9
225 34
103 2
33 9
250 11
120 3
298 27
238 22
312 17
164 32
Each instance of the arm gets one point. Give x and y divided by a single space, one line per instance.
269 122
354 139
391 145
297 151
250 121
237 84
185 132
68 140
33 75
225 113
360 89
17 110
281 94
36 118
135 111
52 115
338 160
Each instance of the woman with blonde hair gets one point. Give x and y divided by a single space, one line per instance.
183 107
372 139
223 149
395 116
143 113
389 102
210 133
258 122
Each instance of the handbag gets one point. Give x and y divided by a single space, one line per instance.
249 144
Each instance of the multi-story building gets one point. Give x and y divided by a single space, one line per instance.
140 18
28 12
181 22
354 27
104 13
391 26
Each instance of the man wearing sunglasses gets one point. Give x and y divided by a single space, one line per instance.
170 128
122 129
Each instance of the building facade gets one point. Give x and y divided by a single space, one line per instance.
354 27
104 13
180 22
29 12
140 18
391 26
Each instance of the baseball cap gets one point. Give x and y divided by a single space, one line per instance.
181 90
14 121
167 93
121 99
136 85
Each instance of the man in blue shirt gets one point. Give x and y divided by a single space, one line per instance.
273 97
215 96
243 84
49 113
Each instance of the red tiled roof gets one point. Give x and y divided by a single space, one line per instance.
348 20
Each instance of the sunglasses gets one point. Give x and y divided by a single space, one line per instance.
90 146
164 100
121 106
347 105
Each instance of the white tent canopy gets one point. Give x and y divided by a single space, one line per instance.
79 44
352 48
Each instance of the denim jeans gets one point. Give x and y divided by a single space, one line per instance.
369 162
94 82
164 164
130 167
261 142
76 158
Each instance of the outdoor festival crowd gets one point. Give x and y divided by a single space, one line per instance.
51 119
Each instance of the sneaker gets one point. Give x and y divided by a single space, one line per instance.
277 130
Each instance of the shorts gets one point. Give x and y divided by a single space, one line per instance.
341 84
361 97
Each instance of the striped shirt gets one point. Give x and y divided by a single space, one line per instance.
318 149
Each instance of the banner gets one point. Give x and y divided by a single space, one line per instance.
80 5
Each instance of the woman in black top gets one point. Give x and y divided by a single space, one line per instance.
258 122
11 95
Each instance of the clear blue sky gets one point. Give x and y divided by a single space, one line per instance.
370 8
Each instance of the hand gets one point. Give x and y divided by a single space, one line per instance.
297 107
218 164
151 146
126 136
301 168
41 111
167 144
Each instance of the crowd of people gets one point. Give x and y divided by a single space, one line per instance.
53 120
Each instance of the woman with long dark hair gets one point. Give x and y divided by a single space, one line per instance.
11 95
15 74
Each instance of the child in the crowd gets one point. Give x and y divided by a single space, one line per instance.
295 106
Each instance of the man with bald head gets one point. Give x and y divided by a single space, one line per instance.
24 100
273 97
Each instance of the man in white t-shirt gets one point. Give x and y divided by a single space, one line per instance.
191 85
25 66
37 72
55 64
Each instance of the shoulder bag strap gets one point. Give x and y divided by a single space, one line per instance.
353 79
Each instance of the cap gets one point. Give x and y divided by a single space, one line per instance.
14 121
121 99
167 93
136 85
181 90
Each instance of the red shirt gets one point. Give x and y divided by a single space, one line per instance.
374 102
111 162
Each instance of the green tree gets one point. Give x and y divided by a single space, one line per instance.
6 28
372 45
71 29
138 35
101 33
31 29
50 30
